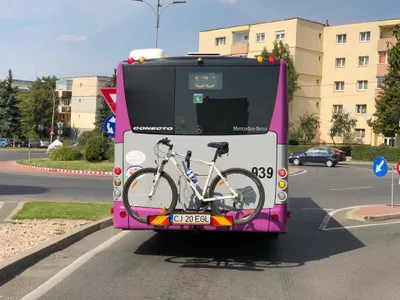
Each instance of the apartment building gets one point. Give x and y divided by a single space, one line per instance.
339 67
79 100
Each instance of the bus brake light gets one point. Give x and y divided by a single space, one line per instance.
122 214
131 60
282 173
117 171
271 59
275 217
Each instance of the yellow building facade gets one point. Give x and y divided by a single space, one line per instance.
339 67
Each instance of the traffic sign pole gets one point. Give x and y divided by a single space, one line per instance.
392 185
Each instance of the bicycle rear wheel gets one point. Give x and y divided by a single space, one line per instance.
137 181
255 195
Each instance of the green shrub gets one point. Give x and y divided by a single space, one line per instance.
96 148
369 153
65 153
85 136
66 142
110 152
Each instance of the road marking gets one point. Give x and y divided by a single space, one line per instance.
317 208
329 216
358 226
1 204
353 188
64 273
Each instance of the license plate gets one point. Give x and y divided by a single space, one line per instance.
192 219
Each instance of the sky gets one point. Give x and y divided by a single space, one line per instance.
89 37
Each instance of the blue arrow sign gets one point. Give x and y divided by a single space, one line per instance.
380 167
109 125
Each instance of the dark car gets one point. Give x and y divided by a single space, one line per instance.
316 155
341 154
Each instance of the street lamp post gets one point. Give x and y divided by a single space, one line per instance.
158 12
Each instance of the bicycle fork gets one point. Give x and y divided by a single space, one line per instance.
156 180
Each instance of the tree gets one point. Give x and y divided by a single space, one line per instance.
103 111
9 112
37 106
387 104
308 127
282 51
342 124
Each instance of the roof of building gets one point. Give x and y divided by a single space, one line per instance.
298 18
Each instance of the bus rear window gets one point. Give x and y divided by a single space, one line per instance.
243 105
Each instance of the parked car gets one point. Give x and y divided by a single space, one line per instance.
340 153
16 143
4 142
39 144
315 155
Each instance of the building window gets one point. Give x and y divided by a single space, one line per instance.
365 36
361 108
379 81
260 37
339 86
220 41
362 85
382 57
280 35
340 62
363 61
336 109
341 39
360 133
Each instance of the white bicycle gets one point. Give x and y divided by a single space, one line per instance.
208 196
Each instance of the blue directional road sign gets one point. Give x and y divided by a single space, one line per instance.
380 166
109 125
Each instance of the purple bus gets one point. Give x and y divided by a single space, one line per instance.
224 117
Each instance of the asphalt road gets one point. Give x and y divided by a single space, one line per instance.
307 263
45 187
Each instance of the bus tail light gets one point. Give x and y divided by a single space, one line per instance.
282 184
117 193
289 214
117 181
275 217
131 60
282 173
282 196
260 59
111 210
271 59
122 214
117 171
142 60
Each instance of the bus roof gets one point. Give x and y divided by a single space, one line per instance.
150 53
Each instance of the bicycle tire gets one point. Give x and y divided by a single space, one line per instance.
129 182
260 188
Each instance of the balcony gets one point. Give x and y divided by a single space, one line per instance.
382 43
64 109
382 69
240 48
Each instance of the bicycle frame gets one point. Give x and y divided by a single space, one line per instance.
171 157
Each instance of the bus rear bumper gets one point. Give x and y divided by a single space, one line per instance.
269 220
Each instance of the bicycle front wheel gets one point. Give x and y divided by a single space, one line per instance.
251 195
137 189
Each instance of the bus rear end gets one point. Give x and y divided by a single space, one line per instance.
195 100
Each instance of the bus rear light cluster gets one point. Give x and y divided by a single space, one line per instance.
117 171
122 214
271 59
117 182
131 60
282 173
282 196
117 193
274 217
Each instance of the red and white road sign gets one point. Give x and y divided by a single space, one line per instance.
110 95
398 167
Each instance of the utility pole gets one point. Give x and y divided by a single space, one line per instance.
158 12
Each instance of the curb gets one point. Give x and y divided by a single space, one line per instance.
80 172
22 261
298 172
371 218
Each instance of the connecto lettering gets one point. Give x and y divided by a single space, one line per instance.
152 128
